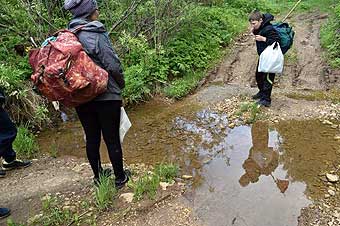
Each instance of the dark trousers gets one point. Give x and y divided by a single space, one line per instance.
8 132
102 117
265 83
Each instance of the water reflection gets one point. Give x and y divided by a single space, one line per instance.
263 159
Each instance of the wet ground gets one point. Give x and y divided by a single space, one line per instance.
249 175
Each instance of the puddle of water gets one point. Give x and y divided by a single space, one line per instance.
250 175
149 140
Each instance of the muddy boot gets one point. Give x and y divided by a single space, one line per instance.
263 102
16 164
120 182
257 96
4 212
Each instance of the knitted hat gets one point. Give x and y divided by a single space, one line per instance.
81 8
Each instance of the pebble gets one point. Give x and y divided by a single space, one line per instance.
326 122
164 185
331 192
187 177
127 197
332 177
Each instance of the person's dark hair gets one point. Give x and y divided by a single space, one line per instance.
255 16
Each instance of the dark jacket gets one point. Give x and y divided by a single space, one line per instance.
2 97
97 44
266 30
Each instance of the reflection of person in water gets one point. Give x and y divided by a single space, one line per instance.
262 160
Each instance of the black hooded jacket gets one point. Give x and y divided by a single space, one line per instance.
266 30
2 97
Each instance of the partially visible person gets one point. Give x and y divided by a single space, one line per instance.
4 212
265 35
102 114
8 133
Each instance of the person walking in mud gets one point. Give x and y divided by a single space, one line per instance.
8 134
265 35
101 115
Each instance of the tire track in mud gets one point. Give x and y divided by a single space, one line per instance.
307 72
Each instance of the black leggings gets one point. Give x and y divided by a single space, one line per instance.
103 117
264 83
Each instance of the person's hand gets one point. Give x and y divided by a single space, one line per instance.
260 38
251 29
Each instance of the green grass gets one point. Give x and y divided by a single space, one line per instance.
105 192
330 38
54 214
25 144
331 95
145 185
181 87
251 110
148 184
166 172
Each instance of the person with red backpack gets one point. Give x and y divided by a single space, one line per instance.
102 114
265 35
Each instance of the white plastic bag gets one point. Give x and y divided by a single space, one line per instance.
125 124
271 60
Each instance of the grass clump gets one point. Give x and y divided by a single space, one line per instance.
105 192
250 110
25 144
166 172
148 184
54 213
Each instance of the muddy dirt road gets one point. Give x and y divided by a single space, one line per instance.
245 175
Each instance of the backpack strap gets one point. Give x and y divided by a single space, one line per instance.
76 29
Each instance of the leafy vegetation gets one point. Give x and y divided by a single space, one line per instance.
250 110
149 182
105 192
25 144
330 37
53 214
165 46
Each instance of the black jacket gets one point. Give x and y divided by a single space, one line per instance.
2 96
98 46
266 30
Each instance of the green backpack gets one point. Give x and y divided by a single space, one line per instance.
286 34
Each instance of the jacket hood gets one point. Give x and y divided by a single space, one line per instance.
267 17
93 26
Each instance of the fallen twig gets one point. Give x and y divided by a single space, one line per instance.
80 216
